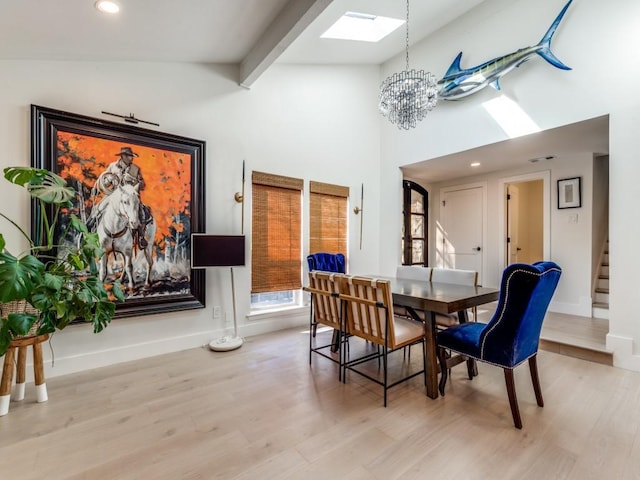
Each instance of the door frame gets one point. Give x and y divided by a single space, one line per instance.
545 176
467 186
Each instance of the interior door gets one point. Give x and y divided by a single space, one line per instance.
461 218
513 216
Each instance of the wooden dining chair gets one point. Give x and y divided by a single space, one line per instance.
326 262
326 309
369 315
513 334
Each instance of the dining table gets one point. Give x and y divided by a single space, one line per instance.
432 298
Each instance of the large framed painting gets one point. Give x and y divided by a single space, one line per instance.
141 191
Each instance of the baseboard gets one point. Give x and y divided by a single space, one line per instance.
623 356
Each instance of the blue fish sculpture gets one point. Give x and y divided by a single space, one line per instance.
458 83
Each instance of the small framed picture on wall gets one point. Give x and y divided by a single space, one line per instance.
569 195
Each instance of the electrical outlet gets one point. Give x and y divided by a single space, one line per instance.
217 310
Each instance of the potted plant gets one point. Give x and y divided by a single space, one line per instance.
60 281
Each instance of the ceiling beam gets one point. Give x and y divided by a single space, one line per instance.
292 20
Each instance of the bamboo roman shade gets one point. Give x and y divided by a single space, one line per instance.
276 233
328 218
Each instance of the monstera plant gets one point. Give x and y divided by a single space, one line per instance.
60 281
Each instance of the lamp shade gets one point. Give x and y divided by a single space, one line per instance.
217 250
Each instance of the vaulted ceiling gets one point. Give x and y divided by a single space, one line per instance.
255 34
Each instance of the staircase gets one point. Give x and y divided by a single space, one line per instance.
600 306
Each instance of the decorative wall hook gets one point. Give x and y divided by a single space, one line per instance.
358 209
239 197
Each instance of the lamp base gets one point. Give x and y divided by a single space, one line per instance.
225 344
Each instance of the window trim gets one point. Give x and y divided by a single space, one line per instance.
407 188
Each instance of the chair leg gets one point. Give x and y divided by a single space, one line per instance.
442 357
533 368
384 361
424 361
472 368
513 400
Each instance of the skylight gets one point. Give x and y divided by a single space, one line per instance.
106 6
362 27
510 116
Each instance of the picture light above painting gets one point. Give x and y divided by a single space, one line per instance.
141 191
459 83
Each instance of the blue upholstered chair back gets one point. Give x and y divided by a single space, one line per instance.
327 262
513 333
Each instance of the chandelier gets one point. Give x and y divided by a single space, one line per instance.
406 97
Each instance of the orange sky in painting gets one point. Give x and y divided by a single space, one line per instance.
167 175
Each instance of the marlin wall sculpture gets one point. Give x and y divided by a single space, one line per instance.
458 83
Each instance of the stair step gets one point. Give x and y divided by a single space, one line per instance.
602 290
577 337
601 313
604 277
583 353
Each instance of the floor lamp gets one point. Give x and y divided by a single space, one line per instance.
220 251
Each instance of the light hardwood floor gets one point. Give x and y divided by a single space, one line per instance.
262 412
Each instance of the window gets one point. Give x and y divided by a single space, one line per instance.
328 218
414 228
276 266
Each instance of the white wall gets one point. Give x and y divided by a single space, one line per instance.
598 42
315 123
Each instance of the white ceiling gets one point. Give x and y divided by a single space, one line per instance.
251 33
209 31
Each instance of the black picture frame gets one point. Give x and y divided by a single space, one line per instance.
79 148
570 193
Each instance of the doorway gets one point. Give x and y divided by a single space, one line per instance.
525 218
524 222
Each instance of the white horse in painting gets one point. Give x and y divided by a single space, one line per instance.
115 230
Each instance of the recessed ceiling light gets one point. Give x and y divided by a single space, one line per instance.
362 27
475 164
106 6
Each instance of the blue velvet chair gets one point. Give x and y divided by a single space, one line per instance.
513 334
326 262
